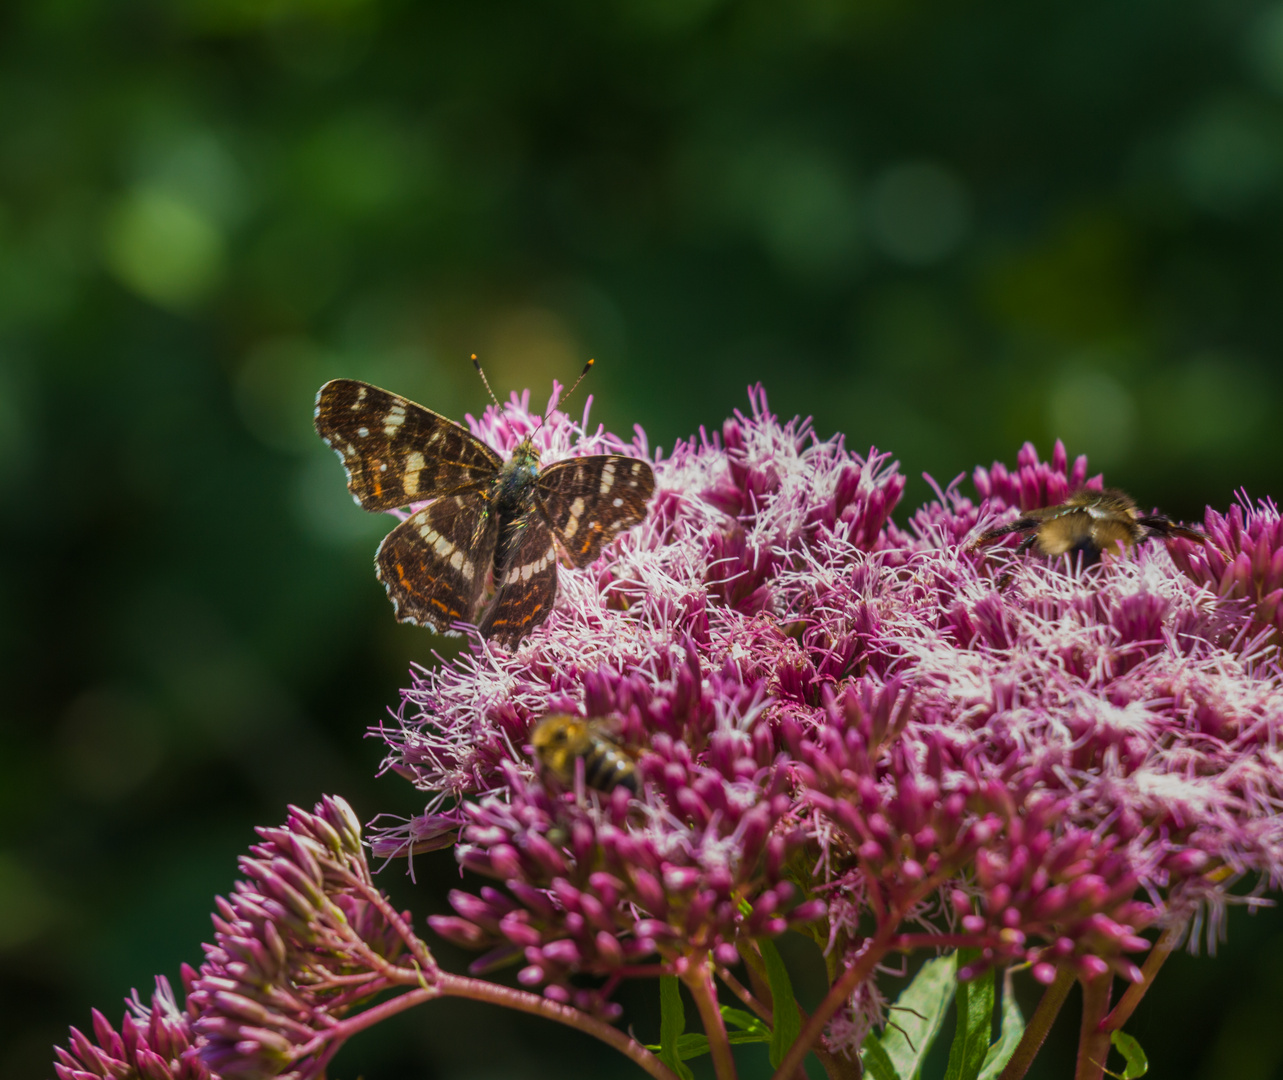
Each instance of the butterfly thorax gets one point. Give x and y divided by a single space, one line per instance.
514 499
514 487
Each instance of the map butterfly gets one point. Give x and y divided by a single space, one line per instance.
490 523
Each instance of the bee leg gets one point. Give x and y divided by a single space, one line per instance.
1005 579
1168 529
1023 524
1161 526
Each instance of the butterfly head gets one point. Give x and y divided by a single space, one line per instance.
525 459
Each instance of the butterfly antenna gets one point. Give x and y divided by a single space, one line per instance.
566 396
561 402
477 364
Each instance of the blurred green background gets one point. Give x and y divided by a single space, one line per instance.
943 228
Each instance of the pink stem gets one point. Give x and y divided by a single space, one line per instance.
1158 955
906 942
1093 1040
1039 1024
838 993
743 993
445 985
699 980
524 1001
412 941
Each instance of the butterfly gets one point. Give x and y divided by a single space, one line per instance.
490 522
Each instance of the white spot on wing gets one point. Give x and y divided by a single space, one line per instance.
394 419
572 526
607 477
413 467
525 573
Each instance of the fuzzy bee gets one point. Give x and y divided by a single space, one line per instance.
1089 523
560 740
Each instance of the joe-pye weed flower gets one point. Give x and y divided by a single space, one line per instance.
840 726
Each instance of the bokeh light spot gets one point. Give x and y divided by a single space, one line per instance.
356 164
324 509
25 909
1211 404
920 212
275 388
15 430
112 743
163 248
1263 48
529 346
801 203
1229 154
1092 412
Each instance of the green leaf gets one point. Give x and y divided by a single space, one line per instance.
975 1022
786 1023
1137 1062
876 1063
746 1022
1013 1027
914 1020
691 1045
672 1023
737 1037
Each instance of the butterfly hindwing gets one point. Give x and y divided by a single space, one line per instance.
590 500
434 564
396 452
526 586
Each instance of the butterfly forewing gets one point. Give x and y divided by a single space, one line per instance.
591 500
396 452
434 564
528 586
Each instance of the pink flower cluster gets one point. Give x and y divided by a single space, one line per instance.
1040 772
155 1042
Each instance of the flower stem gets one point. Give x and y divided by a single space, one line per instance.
1166 945
699 981
1039 1024
838 993
446 985
1093 1040
744 994
524 1001
418 948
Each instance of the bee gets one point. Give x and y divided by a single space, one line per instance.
1088 523
560 740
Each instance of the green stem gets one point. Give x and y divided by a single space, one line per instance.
1093 1040
1039 1024
699 980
